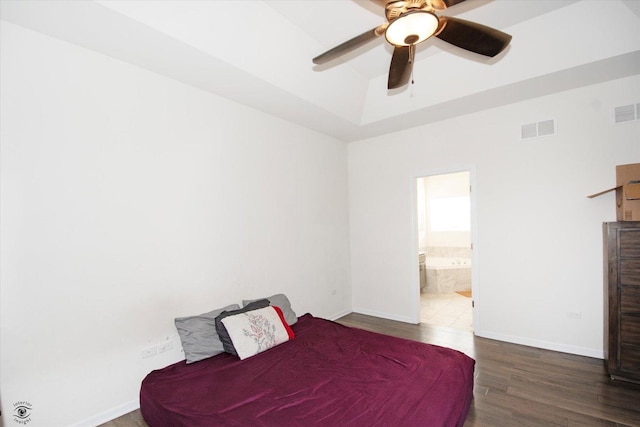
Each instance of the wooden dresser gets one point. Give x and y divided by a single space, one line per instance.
622 299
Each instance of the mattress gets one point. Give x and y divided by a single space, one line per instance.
329 374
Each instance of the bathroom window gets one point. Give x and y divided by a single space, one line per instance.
450 214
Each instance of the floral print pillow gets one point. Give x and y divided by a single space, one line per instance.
258 330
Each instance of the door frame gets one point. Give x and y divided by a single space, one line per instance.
415 244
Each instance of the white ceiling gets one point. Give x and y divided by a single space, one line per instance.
259 53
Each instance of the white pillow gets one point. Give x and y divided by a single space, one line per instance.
258 330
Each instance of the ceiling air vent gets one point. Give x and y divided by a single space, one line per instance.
532 130
626 113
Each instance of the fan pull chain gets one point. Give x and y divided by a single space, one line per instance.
412 53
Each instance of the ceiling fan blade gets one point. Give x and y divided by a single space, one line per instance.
472 36
443 4
401 66
350 45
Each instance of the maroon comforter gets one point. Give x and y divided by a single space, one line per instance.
328 375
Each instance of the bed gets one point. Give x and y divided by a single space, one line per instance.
328 374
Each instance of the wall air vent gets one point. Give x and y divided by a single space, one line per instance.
626 113
529 131
532 130
546 128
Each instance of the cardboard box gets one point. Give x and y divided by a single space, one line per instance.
627 192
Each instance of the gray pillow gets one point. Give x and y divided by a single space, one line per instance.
198 334
279 300
225 338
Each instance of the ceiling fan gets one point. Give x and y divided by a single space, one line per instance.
413 21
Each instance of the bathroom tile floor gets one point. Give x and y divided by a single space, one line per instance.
450 310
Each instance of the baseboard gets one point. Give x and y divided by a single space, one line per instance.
547 345
109 415
383 315
340 314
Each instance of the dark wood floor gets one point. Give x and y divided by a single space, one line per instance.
514 385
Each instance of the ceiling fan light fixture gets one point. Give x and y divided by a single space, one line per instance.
411 28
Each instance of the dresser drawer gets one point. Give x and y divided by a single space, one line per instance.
630 331
630 359
630 272
630 242
630 300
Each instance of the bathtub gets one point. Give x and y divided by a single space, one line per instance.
447 275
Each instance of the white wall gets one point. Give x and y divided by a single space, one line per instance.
129 199
538 253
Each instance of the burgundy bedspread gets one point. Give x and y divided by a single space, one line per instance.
328 375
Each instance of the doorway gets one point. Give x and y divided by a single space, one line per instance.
444 250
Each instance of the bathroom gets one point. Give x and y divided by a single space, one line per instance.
444 228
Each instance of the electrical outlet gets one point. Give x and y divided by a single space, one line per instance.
149 351
165 346
574 315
